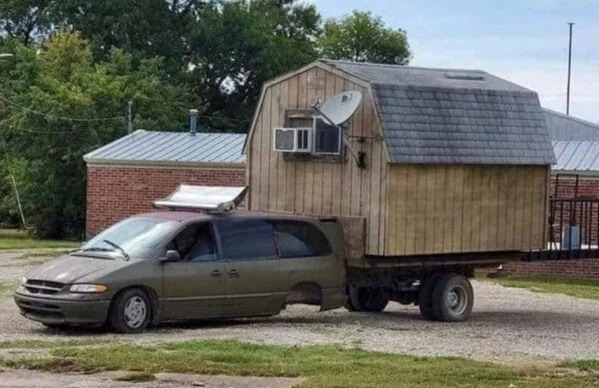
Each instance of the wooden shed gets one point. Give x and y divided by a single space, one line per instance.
456 161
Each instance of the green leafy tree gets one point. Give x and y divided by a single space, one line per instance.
61 105
25 20
238 45
362 37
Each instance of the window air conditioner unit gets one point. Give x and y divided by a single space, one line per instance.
293 139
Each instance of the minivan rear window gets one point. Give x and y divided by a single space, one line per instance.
299 239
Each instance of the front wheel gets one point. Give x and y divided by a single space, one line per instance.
130 312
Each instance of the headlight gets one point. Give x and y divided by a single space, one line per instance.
23 280
88 288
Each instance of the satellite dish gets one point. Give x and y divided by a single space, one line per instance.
339 108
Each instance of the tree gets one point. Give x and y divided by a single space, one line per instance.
362 37
238 45
64 104
25 20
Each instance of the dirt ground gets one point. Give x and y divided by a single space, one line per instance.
26 378
508 325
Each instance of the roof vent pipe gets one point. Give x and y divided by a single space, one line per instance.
193 121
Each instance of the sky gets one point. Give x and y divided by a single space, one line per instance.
523 41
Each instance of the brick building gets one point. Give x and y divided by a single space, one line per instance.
125 177
576 175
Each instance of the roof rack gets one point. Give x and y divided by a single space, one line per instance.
207 198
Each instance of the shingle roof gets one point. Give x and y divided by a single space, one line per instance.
576 156
455 116
562 127
149 147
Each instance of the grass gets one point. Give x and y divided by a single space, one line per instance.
583 365
7 288
580 288
321 366
16 239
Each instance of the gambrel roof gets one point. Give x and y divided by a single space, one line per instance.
446 116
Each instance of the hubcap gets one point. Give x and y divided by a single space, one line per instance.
457 299
135 312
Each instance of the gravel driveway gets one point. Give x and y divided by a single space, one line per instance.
507 324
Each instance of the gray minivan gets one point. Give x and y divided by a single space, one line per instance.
175 265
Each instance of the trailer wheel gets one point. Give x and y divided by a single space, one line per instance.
453 298
425 297
370 299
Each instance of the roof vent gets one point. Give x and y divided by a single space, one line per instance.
465 77
193 121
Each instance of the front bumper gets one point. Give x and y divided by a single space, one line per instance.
62 311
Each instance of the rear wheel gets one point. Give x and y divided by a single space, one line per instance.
370 299
453 298
130 312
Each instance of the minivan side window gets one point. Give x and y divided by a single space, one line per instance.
246 239
300 239
195 243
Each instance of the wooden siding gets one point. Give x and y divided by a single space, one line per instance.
317 187
451 209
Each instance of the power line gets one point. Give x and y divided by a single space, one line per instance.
48 115
97 119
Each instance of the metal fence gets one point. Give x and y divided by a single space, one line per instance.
573 230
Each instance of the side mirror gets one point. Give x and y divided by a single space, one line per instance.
170 257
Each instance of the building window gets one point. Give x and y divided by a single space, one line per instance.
327 138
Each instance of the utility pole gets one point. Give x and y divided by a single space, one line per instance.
569 71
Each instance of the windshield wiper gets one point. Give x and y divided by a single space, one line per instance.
125 254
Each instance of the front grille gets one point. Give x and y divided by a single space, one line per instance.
42 287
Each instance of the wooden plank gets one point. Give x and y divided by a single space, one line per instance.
487 174
492 210
520 211
466 222
447 232
354 232
420 204
255 166
384 184
440 212
290 168
510 224
410 197
457 232
394 218
339 193
377 215
299 165
276 181
501 213
330 178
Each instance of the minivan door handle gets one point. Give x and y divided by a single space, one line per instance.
215 274
233 273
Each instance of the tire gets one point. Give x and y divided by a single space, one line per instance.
130 312
368 299
453 298
425 297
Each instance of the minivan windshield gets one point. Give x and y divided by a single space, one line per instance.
133 237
